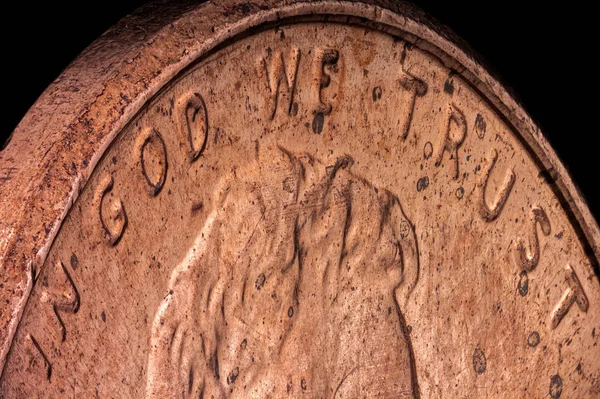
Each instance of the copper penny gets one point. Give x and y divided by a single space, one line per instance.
290 199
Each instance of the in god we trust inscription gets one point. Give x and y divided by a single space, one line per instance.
294 199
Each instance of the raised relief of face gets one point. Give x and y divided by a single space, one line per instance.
293 288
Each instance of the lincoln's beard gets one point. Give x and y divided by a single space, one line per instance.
292 287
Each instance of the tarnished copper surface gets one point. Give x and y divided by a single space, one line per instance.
290 199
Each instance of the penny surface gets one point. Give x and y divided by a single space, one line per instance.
290 199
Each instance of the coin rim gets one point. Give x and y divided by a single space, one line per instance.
232 18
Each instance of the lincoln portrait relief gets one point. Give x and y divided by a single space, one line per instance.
292 289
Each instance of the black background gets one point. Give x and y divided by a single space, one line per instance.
544 53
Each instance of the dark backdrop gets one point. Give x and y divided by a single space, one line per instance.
543 53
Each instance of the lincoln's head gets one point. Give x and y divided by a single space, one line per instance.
294 286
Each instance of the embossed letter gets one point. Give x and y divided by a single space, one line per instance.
152 153
574 293
487 213
529 260
112 220
279 71
38 348
65 301
323 58
193 122
416 87
449 141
